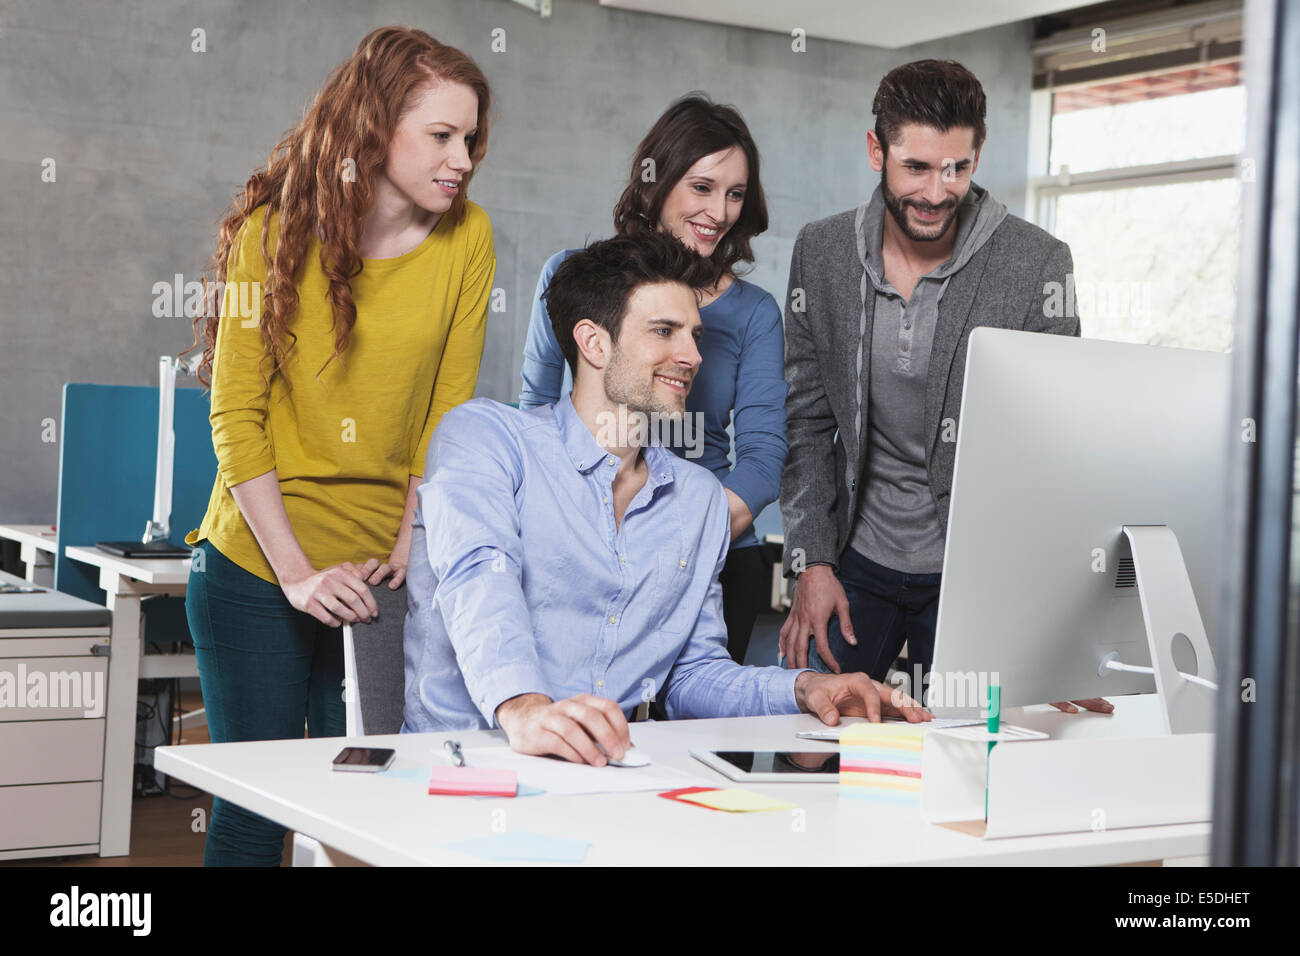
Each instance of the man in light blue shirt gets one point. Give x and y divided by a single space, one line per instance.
564 565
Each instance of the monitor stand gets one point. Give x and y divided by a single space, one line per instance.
1174 628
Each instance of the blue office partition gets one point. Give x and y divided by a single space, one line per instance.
107 458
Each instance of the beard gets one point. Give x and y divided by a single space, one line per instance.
898 209
626 385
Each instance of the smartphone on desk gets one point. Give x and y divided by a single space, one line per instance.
364 759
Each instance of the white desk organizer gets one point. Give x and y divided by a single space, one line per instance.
1067 773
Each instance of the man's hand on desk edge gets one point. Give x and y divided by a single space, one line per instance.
576 728
832 696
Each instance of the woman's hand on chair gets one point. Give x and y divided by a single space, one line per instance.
374 571
334 596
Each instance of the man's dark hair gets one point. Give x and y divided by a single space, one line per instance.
941 94
597 282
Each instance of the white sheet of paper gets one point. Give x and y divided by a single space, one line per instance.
832 734
563 777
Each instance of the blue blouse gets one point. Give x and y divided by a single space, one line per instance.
743 370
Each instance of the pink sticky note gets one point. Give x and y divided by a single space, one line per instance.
473 782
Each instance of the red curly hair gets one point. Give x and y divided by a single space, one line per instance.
352 117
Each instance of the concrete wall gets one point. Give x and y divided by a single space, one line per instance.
151 139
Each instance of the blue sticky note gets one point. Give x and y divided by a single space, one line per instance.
522 845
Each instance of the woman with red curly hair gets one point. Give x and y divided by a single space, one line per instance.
353 277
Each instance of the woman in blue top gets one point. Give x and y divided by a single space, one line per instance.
695 175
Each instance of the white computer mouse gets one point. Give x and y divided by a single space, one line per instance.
633 758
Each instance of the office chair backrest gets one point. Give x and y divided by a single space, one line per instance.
374 667
107 458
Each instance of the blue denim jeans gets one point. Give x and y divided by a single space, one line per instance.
887 607
267 670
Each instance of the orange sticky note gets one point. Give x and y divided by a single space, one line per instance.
682 793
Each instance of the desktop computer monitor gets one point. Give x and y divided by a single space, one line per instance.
1069 451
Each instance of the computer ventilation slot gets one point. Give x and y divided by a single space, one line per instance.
1126 574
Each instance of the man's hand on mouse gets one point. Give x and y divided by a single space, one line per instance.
832 696
577 728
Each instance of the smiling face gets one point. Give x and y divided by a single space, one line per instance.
653 362
429 153
707 200
924 177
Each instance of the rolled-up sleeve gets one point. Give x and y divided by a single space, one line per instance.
472 534
239 390
759 416
463 352
704 681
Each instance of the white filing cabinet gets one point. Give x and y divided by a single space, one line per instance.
53 696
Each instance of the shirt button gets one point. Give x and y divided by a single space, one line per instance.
612 619
600 683
681 562
623 558
611 460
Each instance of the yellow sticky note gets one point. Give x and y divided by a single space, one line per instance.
736 801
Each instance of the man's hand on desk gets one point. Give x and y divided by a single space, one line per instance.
570 728
832 696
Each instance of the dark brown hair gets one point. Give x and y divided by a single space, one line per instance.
691 128
597 282
941 94
351 120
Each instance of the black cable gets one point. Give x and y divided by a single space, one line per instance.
178 710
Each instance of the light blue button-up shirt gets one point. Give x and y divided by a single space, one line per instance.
519 582
740 386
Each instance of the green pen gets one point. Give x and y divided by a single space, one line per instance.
995 707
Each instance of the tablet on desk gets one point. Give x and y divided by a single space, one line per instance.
773 766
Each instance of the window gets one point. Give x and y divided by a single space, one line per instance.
1139 176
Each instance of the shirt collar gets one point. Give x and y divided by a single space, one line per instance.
580 444
586 453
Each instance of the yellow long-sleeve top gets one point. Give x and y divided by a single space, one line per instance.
344 444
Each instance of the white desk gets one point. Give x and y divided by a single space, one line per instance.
395 822
126 581
36 549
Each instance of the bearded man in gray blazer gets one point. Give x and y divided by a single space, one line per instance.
881 303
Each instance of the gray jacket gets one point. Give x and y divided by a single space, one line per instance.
1016 280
